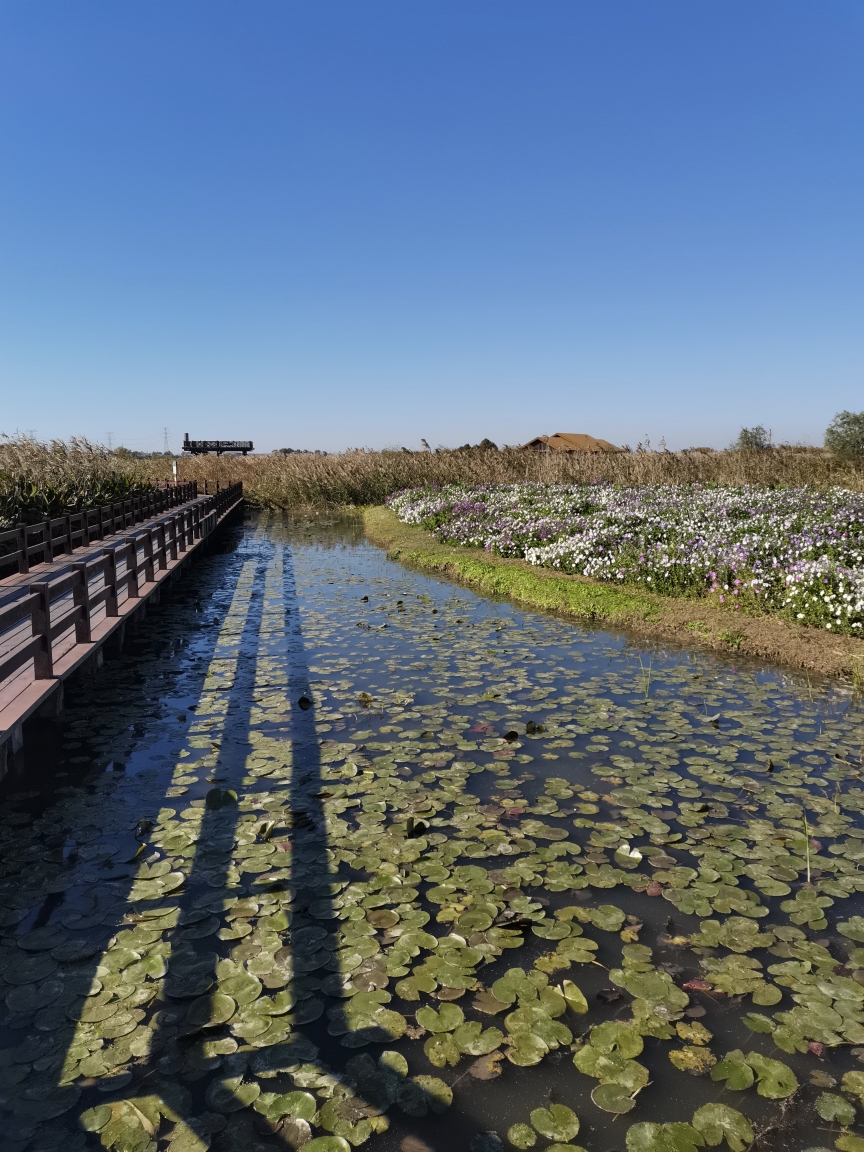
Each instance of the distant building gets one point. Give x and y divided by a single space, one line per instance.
570 442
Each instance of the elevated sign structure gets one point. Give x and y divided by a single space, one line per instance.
202 447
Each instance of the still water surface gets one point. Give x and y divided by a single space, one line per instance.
317 856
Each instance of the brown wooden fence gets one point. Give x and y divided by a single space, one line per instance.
62 596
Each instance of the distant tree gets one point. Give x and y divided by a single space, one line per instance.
752 439
845 435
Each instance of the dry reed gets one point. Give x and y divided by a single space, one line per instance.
308 481
352 479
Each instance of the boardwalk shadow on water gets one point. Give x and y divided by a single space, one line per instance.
247 860
260 868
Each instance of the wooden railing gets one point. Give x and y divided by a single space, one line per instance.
44 620
27 544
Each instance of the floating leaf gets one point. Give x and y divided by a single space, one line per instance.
231 1094
853 928
439 1096
575 997
695 1060
473 1040
521 1136
449 1017
717 1122
776 1080
735 1071
613 1098
210 1011
557 1122
663 1138
327 1144
832 1107
853 1082
621 1039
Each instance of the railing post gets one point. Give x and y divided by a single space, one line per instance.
43 663
172 539
149 575
81 598
132 568
110 581
161 552
47 543
23 557
67 523
181 541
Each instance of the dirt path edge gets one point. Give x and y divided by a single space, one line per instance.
682 621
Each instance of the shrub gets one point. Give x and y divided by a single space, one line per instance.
752 439
845 435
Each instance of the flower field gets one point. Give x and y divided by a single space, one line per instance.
798 552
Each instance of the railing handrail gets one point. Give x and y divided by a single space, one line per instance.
165 537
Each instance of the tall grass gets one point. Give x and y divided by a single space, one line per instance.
77 470
43 480
306 480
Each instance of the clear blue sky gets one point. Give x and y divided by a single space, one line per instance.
327 224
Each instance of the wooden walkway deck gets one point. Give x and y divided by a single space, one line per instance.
56 614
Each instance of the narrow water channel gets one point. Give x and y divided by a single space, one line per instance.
336 852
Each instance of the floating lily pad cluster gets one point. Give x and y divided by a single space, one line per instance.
314 923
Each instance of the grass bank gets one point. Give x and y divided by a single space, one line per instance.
662 618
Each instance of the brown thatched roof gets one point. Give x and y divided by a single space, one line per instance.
572 442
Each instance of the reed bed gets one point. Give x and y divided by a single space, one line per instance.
78 470
40 480
310 481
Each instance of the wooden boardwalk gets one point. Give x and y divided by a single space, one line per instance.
56 613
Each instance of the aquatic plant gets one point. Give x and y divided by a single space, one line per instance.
378 863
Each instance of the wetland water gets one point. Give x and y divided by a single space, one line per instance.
338 852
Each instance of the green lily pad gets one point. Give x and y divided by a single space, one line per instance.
607 917
393 1062
853 1082
717 1122
439 1096
693 1059
231 1094
735 1071
775 1080
522 1136
853 928
474 1041
441 1050
210 1011
300 1105
830 1107
447 1019
621 1039
557 1122
575 997
328 1144
663 1138
613 1098
527 1049
94 1119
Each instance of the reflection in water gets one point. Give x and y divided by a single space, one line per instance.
318 856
